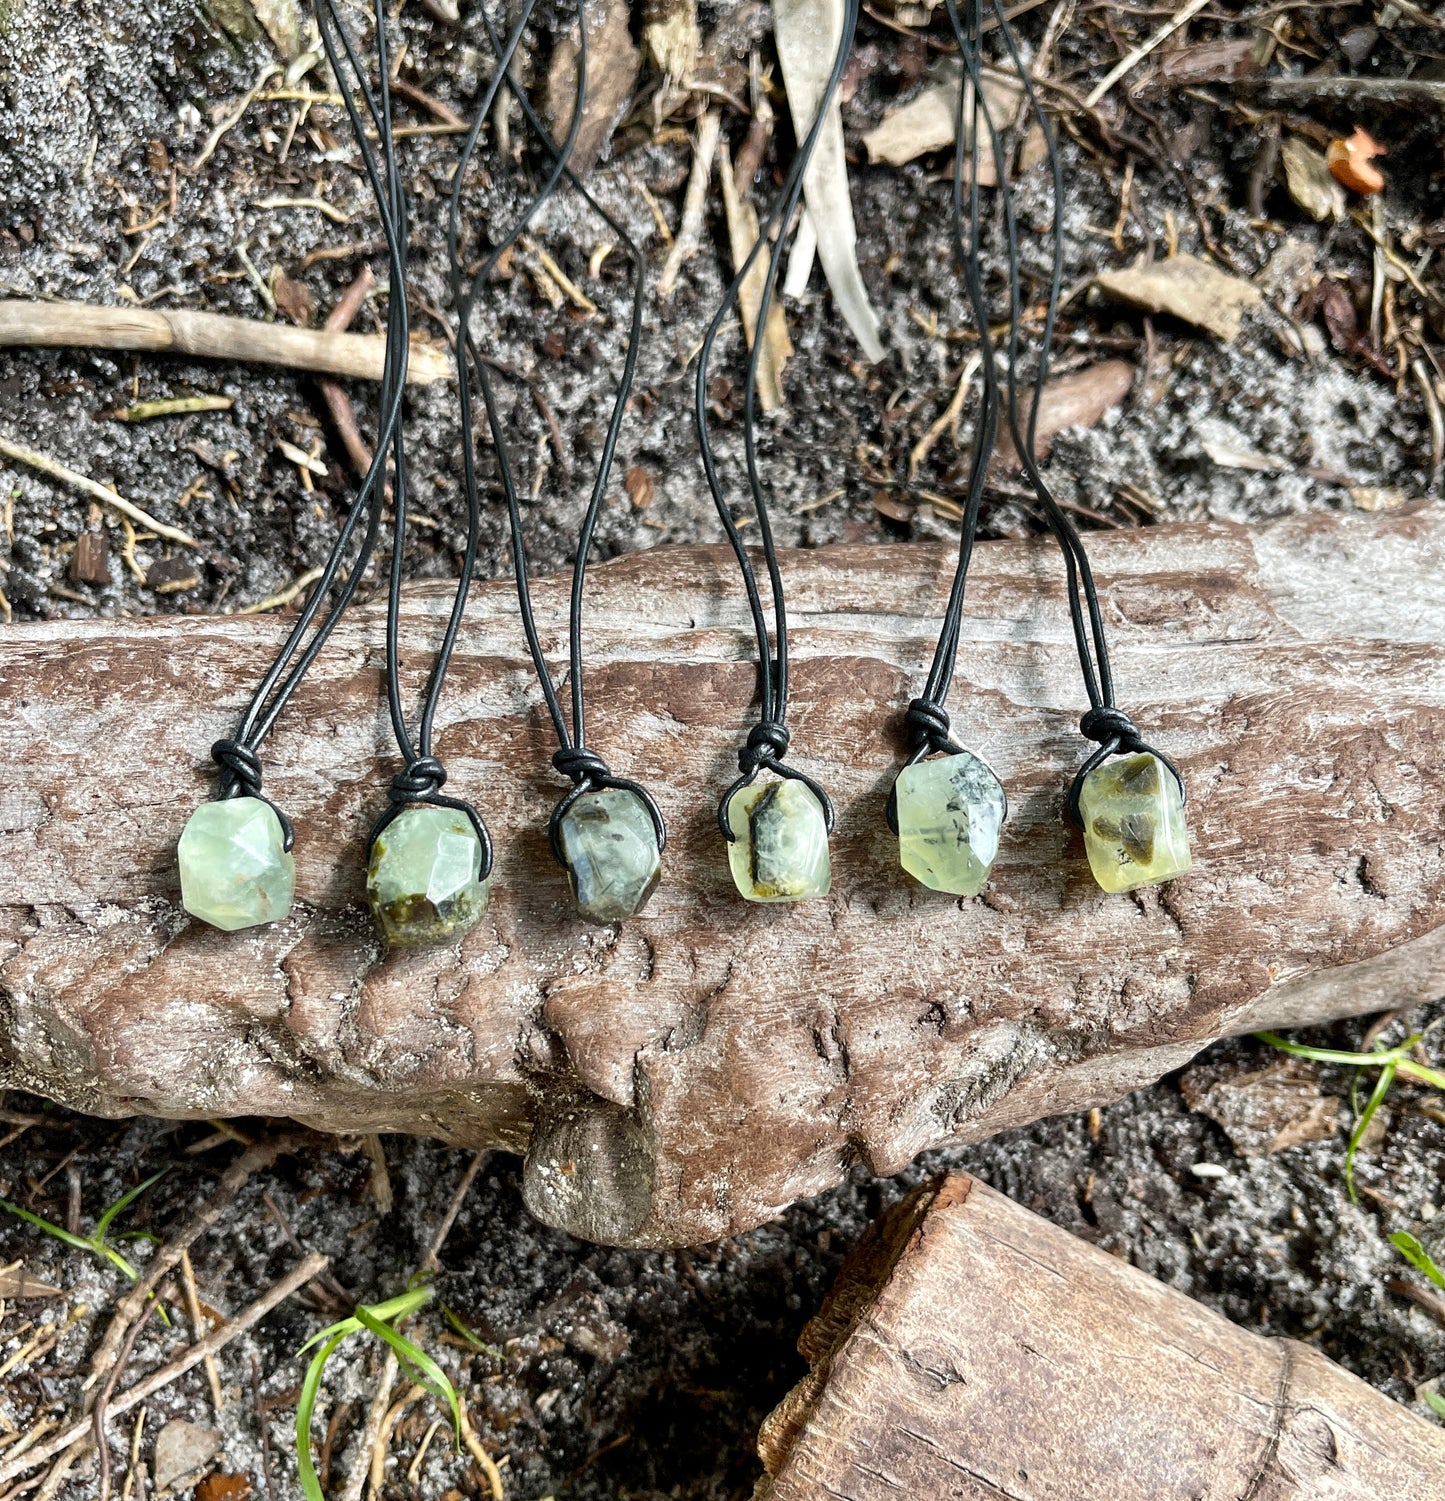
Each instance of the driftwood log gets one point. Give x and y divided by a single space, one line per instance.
689 1074
973 1351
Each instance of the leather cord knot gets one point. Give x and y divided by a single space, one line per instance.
767 744
420 782
240 769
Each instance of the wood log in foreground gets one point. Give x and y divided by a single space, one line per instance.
212 336
973 1351
689 1074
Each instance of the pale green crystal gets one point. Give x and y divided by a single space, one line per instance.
235 869
950 811
611 850
780 849
423 879
1133 816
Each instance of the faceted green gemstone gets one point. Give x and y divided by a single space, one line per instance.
612 856
235 869
422 880
950 811
780 849
1134 830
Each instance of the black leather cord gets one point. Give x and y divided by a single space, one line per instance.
768 742
586 769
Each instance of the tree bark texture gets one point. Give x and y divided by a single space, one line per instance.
973 1351
687 1075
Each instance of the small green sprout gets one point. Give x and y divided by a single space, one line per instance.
1436 1403
379 1319
1417 1256
1390 1061
97 1242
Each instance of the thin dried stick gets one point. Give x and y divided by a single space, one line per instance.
193 1309
211 336
694 203
87 486
252 1160
485 1462
381 1444
1127 63
102 1402
147 1386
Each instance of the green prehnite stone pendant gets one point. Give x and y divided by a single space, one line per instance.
235 868
611 850
780 849
1134 830
950 810
423 878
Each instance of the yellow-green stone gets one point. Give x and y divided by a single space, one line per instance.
235 869
612 857
950 811
423 879
1134 830
780 849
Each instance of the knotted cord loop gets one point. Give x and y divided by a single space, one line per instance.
583 766
1107 725
929 730
767 745
420 782
240 769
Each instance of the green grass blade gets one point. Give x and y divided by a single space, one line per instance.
1436 1403
103 1224
1417 1256
341 1330
1334 1055
305 1408
429 1373
470 1335
1377 1096
59 1232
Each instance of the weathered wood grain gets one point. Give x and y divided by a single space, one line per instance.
686 1076
973 1351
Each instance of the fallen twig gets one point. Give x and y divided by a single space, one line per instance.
210 336
252 1160
284 597
694 203
147 1386
338 403
82 482
102 1402
1132 59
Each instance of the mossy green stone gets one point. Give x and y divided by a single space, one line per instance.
423 880
780 849
611 850
1134 831
235 869
950 811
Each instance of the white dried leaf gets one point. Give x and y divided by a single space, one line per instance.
1310 182
807 33
927 122
282 22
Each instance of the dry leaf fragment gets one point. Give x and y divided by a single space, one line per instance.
670 34
1262 1110
15 1281
1378 497
641 486
223 1488
807 34
613 62
1187 288
1076 400
1310 181
1351 162
926 122
181 1449
282 20
742 221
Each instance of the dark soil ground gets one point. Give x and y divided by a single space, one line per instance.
608 1373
